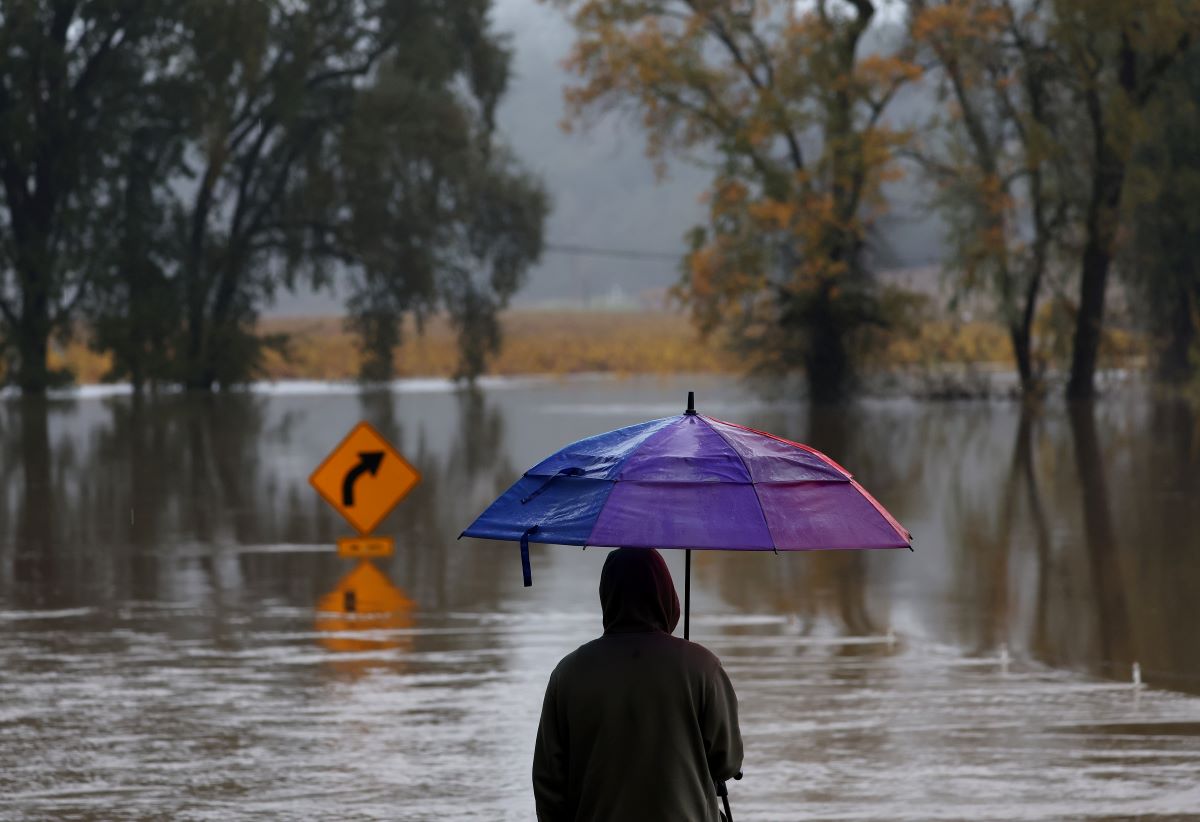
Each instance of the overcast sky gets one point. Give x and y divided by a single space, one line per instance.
604 191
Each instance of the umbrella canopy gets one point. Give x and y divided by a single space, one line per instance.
689 481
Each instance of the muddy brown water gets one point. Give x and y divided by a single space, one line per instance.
162 656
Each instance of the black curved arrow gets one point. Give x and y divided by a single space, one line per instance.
367 461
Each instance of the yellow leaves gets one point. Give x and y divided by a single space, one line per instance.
702 266
879 71
956 22
773 214
806 30
729 194
789 102
993 194
945 21
760 131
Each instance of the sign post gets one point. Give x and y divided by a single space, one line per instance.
360 547
364 478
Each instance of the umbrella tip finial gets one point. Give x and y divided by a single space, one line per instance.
691 409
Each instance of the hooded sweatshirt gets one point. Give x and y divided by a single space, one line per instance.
638 724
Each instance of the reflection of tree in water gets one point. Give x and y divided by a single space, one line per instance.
1079 610
1082 616
1149 581
1088 527
828 585
455 485
33 519
986 528
1100 540
164 471
107 501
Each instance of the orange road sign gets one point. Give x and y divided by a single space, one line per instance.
364 478
353 547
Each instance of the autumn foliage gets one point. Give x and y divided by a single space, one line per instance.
788 101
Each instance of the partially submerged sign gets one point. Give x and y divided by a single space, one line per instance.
364 478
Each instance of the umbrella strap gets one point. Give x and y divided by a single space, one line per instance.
526 571
572 471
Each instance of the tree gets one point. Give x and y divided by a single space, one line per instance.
69 68
1000 170
1114 56
1163 259
132 306
784 96
345 137
274 83
440 215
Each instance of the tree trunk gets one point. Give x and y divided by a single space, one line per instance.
1089 322
32 334
199 377
1019 335
195 336
1021 330
1108 180
1175 363
827 362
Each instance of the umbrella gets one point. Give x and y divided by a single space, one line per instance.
693 482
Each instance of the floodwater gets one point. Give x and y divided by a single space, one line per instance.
162 654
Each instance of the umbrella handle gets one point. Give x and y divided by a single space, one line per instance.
723 792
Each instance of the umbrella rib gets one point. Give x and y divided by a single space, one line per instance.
903 532
745 465
620 465
825 458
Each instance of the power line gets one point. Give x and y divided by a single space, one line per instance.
622 253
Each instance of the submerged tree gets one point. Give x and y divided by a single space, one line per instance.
280 144
441 217
1050 101
68 72
1114 56
1000 169
275 83
1163 258
132 305
791 101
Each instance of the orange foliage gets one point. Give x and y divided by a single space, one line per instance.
753 81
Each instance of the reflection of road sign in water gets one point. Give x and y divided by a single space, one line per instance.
365 590
363 603
364 478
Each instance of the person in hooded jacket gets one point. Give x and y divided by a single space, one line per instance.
638 724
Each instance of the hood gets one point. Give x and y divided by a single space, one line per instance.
636 592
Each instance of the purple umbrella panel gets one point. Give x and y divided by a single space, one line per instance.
689 481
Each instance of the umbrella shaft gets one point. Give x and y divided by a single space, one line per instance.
687 593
